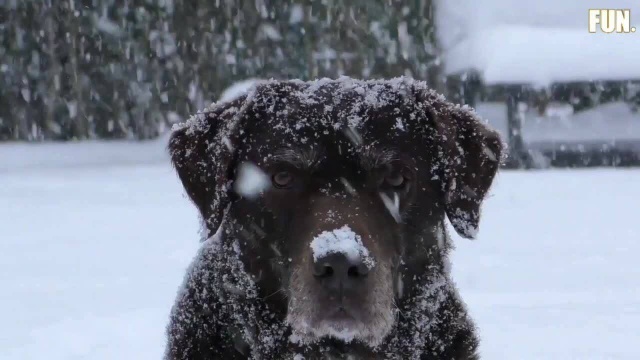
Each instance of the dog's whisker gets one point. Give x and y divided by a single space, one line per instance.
273 293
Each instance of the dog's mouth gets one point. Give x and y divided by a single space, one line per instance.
342 314
342 322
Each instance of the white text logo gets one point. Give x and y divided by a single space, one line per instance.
610 20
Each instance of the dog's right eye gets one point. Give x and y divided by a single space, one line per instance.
282 179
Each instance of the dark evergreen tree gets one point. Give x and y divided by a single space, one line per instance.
79 69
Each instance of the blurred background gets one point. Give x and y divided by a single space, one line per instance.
107 69
95 232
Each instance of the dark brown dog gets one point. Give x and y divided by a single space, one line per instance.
324 205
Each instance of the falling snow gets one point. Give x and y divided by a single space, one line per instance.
323 106
392 205
515 282
251 180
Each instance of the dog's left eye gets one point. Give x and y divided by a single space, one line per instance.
395 179
283 179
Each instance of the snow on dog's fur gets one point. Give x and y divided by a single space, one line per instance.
324 208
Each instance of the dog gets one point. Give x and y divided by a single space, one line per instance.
324 237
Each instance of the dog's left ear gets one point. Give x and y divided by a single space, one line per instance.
472 155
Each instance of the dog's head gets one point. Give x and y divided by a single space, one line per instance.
337 192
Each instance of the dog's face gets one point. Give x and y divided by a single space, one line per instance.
337 190
332 217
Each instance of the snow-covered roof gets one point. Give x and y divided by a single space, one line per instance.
529 55
542 42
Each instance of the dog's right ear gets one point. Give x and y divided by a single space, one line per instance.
202 153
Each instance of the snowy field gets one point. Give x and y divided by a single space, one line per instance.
91 257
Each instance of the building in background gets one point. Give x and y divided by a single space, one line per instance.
560 94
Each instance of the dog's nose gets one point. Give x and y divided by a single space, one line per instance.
338 272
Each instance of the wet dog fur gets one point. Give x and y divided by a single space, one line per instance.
390 159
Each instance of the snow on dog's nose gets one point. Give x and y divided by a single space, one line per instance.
341 241
340 260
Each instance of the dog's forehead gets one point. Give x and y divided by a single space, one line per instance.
307 114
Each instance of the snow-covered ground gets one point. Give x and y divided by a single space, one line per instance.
91 257
56 155
554 272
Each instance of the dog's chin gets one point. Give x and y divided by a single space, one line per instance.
342 328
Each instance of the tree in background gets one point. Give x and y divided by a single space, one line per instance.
81 69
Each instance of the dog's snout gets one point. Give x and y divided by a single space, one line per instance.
339 272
